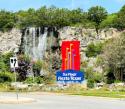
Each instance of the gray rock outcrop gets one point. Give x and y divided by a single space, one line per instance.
9 41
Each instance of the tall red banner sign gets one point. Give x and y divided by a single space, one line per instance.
70 55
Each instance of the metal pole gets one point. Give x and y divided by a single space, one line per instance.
16 84
16 75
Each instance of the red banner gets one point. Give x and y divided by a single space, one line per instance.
70 55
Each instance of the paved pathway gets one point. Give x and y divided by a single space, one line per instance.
55 101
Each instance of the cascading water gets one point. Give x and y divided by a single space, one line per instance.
34 55
35 44
25 39
42 45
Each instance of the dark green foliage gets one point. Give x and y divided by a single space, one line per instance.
95 76
46 79
96 17
37 67
90 83
47 17
110 78
89 73
92 77
31 80
119 23
5 61
98 77
26 18
7 20
97 14
94 49
6 77
2 64
109 22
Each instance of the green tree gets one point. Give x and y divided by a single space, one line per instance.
27 18
114 57
109 21
120 20
7 20
97 14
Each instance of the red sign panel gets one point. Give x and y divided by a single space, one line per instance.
70 55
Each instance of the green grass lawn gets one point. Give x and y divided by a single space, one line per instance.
97 93
101 93
75 91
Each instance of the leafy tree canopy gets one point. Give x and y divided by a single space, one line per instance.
97 14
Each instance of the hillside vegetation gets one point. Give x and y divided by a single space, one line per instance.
96 17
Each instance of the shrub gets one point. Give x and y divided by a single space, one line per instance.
92 77
94 49
29 80
90 83
38 80
2 66
89 73
6 60
6 77
98 77
37 66
24 65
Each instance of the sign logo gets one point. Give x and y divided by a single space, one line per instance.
70 72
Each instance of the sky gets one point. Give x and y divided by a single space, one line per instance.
111 6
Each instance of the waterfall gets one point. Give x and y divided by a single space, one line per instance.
26 40
35 44
34 49
42 45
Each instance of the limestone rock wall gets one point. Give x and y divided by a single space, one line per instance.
9 41
86 36
12 39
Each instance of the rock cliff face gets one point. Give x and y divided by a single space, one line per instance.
86 36
9 41
12 39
